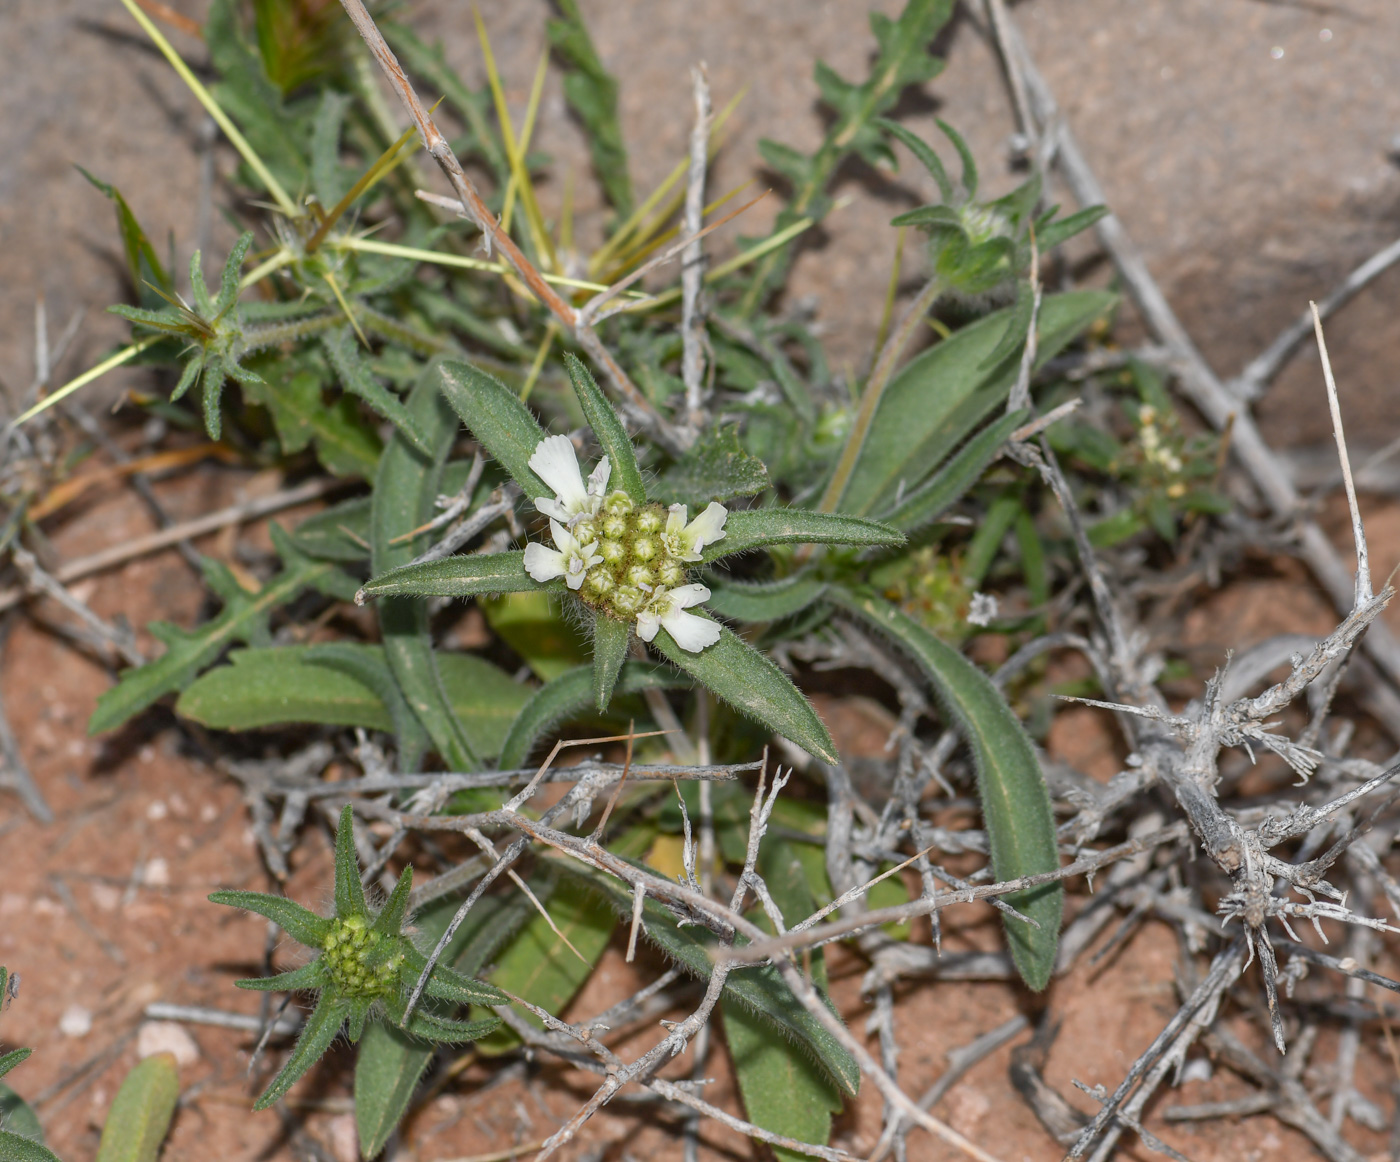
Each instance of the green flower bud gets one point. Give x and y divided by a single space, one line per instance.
670 572
648 520
612 552
640 575
628 600
617 504
614 526
600 583
645 549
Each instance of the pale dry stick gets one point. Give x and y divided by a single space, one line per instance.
1020 395
1034 427
1358 531
38 581
14 771
1015 81
220 1018
1254 380
1199 383
475 208
693 260
81 567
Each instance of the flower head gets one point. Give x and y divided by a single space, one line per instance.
555 462
626 561
667 610
571 560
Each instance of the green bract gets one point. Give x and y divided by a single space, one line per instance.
365 968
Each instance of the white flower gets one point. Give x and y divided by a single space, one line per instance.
983 610
667 610
555 462
571 560
685 541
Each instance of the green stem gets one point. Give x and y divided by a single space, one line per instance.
880 376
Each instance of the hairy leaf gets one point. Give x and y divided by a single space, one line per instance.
1015 801
17 1116
611 435
142 265
752 683
301 924
463 576
610 640
755 527
18 1148
715 468
356 378
244 618
536 626
141 1112
317 1035
499 421
570 695
765 600
339 533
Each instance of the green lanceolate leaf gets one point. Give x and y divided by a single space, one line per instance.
755 527
142 265
349 892
539 966
244 618
9 1060
140 1115
1015 801
784 1090
499 421
947 486
610 640
466 576
612 436
307 977
753 685
760 991
339 533
570 695
317 1035
716 467
293 396
301 924
356 378
937 399
18 1148
764 600
405 490
18 1119
346 684
592 94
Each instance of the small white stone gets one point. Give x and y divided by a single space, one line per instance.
75 1022
208 813
157 811
1197 1069
156 873
106 897
345 1139
166 1037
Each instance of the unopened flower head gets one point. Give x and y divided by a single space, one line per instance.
626 561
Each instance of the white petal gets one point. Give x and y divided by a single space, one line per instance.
647 624
675 519
552 508
555 462
691 633
575 580
684 596
708 527
543 563
563 538
598 478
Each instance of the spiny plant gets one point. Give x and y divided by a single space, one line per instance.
365 968
673 583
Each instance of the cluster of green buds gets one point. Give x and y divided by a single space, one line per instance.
351 963
626 561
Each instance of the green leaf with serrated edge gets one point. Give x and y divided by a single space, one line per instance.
140 1115
716 467
349 892
754 528
760 990
9 1060
142 265
367 666
610 640
308 976
783 1089
301 924
290 684
356 378
17 1148
18 1118
499 421
244 618
339 533
1015 801
570 695
947 486
293 397
935 401
607 428
390 1062
406 488
317 1035
538 965
592 94
462 576
751 683
764 600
